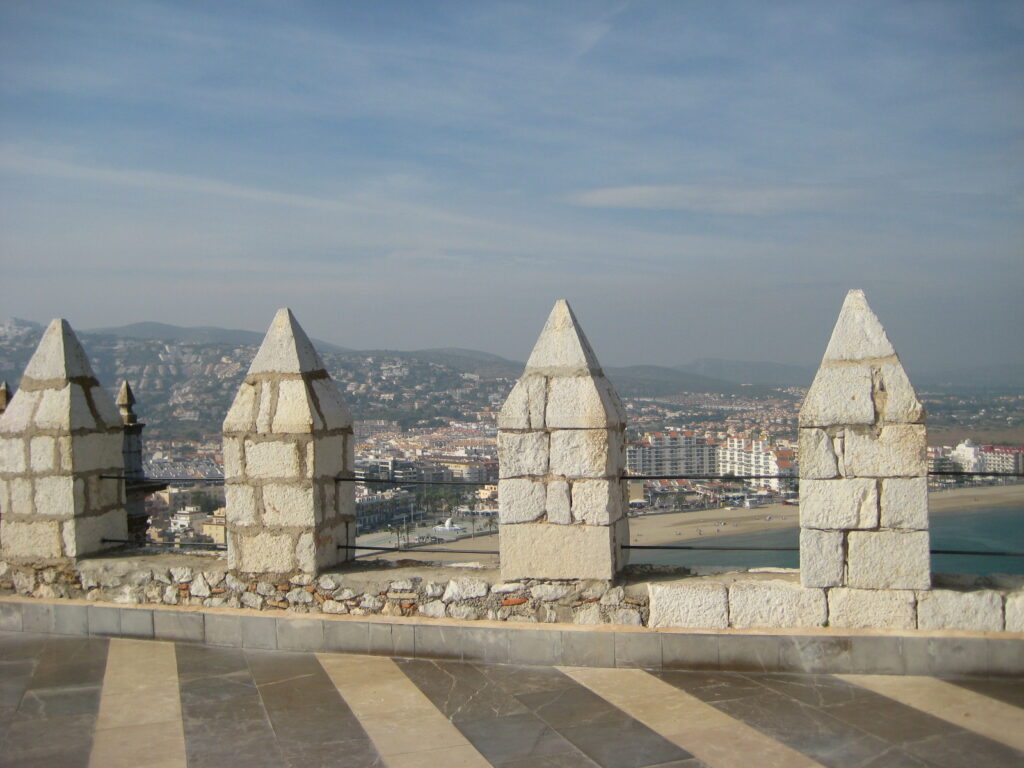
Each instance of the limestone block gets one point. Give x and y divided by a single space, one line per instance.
872 608
562 347
583 402
100 450
333 408
242 414
817 458
843 504
233 457
21 497
42 454
55 496
103 492
839 394
240 504
328 456
1015 611
858 335
66 453
272 459
888 560
524 408
464 589
264 552
904 503
288 505
521 500
307 557
264 413
294 412
558 502
597 502
980 610
542 551
586 452
900 402
521 454
776 603
5 500
898 450
12 455
106 408
64 409
345 502
30 540
822 558
689 603
18 416
84 535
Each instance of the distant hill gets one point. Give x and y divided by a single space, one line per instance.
463 360
194 335
745 372
1007 376
659 381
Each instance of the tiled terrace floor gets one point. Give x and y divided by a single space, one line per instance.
79 701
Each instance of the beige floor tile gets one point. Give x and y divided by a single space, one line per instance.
451 757
139 746
705 732
968 709
122 709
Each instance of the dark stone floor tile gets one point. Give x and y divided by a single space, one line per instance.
962 748
516 680
459 690
570 707
251 745
626 743
888 719
198 661
712 686
895 758
15 677
46 736
326 722
21 646
274 666
58 702
220 688
515 737
50 756
196 710
1009 690
815 690
351 753
71 661
814 732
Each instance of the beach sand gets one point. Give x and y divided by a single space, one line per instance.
679 527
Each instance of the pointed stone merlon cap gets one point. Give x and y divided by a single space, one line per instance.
125 400
59 389
307 399
861 379
563 386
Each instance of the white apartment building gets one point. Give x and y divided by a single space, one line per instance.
969 457
745 455
672 453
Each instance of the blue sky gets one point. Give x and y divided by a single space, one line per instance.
698 179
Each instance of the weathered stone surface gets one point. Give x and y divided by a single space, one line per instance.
549 592
858 335
597 502
12 455
435 609
839 395
558 502
817 458
538 550
521 500
562 347
626 617
888 560
904 503
872 608
333 408
900 403
328 457
822 558
979 610
843 504
286 348
1015 611
464 589
18 416
242 414
295 413
689 603
59 355
526 403
289 505
263 552
39 540
895 450
586 452
590 615
505 588
522 454
276 458
55 496
775 603
583 402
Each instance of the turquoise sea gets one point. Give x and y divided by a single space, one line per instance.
999 529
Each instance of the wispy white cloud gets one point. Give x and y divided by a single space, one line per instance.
733 199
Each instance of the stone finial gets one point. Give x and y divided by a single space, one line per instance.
287 438
60 458
863 464
125 400
560 452
4 396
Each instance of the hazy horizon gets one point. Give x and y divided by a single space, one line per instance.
699 180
